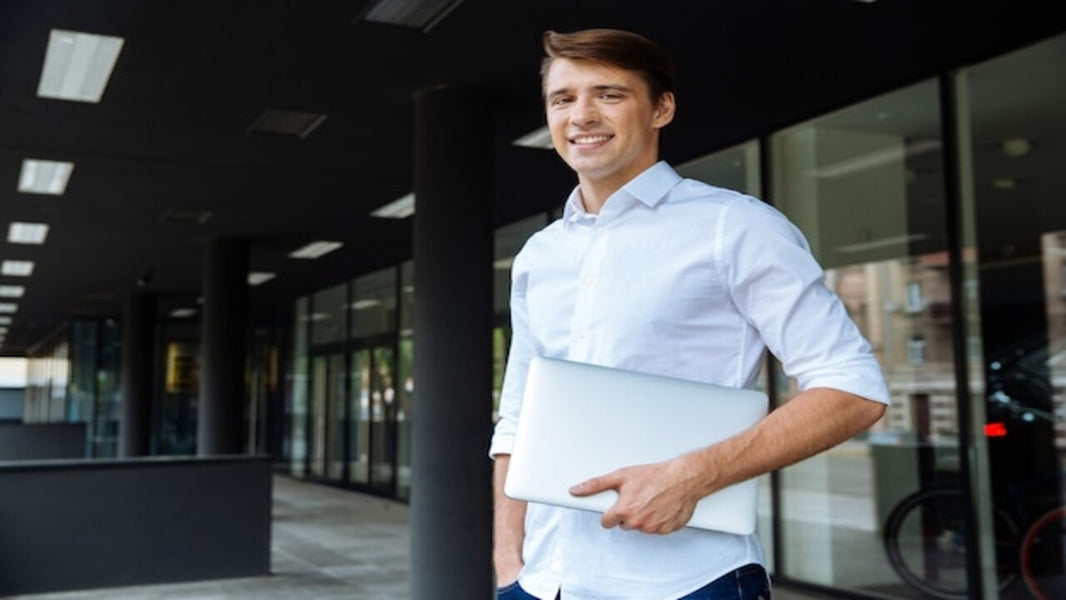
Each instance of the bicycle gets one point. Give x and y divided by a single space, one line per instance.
925 537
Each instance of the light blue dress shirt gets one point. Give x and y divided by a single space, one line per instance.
679 278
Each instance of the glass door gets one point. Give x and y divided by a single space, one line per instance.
372 402
383 419
327 416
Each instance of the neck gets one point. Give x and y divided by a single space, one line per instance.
596 191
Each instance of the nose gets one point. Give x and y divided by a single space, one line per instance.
585 112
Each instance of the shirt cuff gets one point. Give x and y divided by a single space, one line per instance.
870 388
502 443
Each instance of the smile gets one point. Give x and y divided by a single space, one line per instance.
590 139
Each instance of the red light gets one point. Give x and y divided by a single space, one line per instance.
995 430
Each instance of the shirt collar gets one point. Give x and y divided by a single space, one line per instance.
650 187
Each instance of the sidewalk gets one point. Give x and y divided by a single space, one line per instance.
327 544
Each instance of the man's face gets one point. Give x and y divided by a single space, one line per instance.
602 120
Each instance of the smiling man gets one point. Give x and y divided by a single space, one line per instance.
651 272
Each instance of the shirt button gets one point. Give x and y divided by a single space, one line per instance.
582 334
600 232
588 280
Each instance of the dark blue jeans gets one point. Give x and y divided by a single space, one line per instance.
746 583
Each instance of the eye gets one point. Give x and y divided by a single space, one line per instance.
560 100
611 96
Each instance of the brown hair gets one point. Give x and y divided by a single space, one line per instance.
615 47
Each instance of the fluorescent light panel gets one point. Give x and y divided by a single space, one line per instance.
5 320
27 233
8 307
77 66
17 268
401 208
259 277
365 303
181 313
417 14
12 291
538 138
44 176
315 249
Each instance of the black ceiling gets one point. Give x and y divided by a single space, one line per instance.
171 132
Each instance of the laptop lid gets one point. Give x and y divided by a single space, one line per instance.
580 421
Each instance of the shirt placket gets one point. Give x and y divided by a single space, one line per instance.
583 326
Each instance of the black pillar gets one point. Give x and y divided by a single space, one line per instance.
224 345
138 354
451 489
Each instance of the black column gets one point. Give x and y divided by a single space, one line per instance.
224 346
138 354
451 489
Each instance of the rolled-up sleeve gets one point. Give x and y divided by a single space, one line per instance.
780 289
518 358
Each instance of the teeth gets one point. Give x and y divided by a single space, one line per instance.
591 139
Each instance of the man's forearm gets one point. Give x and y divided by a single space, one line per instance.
813 421
508 526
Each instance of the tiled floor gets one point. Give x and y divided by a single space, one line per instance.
328 544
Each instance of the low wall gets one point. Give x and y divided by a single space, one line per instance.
68 525
40 441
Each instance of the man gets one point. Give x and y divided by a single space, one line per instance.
649 272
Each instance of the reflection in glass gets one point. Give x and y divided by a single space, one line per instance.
1016 120
297 451
319 430
865 185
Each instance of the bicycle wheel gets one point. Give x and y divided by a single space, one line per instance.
1043 556
925 540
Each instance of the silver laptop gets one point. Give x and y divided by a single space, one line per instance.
579 421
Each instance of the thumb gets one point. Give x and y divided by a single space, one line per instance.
610 481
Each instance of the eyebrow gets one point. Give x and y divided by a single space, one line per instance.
595 88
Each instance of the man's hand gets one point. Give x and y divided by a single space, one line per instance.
657 498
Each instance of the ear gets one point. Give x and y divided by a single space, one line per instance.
664 111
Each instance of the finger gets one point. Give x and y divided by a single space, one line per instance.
610 519
596 485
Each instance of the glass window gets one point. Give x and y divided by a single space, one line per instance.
735 168
298 391
327 318
373 307
865 185
405 376
1013 121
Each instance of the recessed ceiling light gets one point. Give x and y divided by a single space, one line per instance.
8 307
315 249
78 65
538 138
45 176
5 320
401 208
258 277
182 313
17 268
417 14
12 291
27 233
1004 183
